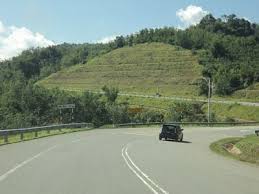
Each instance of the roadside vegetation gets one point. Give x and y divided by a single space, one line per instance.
241 148
235 112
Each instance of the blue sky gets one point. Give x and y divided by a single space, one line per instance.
45 22
88 21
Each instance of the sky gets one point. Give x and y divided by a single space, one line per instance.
32 23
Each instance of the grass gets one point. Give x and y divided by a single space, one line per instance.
139 69
236 111
41 134
249 146
222 111
249 94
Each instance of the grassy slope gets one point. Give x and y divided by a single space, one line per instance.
249 147
139 69
249 94
222 111
238 112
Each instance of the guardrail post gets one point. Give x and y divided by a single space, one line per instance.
6 138
21 136
36 133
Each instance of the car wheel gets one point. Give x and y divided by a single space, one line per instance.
165 138
160 138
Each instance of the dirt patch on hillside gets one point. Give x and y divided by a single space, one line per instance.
231 148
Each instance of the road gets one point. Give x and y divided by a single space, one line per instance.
125 161
243 103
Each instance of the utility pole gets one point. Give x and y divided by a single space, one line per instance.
208 80
209 94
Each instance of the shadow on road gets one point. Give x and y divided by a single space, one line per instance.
178 141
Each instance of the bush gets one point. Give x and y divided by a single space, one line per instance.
148 116
186 112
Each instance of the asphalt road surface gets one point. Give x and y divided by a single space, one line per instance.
125 161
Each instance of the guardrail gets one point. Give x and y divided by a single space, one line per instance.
136 124
189 123
257 132
7 132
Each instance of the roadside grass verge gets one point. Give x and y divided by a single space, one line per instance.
249 147
223 112
41 134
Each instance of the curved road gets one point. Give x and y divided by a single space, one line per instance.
125 161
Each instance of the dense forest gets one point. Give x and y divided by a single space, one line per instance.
227 47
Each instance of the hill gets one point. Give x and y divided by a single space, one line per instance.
143 69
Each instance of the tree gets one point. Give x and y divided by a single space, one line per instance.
111 94
119 42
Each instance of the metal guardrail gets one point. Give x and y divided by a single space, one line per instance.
189 123
7 132
136 124
257 132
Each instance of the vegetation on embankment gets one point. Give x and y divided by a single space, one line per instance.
235 112
248 148
222 112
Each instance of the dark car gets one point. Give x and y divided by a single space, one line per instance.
171 131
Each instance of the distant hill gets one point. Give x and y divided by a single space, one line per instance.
143 68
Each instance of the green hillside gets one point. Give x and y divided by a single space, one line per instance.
146 69
139 69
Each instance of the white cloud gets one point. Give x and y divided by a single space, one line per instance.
107 39
14 40
191 15
245 18
2 28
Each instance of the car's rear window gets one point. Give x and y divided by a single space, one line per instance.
169 128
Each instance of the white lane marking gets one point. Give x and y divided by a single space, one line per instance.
145 175
76 140
139 173
11 171
141 134
245 130
135 172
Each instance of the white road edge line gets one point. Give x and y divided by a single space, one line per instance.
11 171
145 175
141 134
76 141
245 130
135 172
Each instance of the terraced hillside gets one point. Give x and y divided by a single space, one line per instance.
143 69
